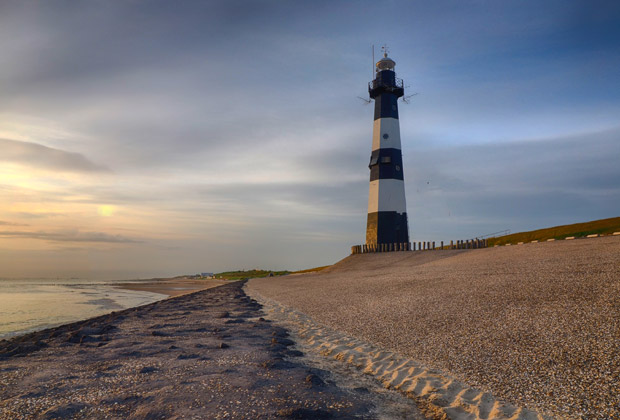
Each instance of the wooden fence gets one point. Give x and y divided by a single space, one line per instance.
418 246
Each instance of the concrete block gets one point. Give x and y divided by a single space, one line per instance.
568 238
550 240
594 235
534 242
519 243
616 233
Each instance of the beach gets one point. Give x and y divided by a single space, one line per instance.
204 355
32 304
172 286
536 326
520 332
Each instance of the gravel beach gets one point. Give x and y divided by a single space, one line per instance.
537 325
205 355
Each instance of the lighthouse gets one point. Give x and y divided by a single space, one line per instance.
387 209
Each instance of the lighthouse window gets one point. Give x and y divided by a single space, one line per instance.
386 159
386 136
374 160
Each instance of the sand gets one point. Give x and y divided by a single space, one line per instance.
205 355
535 326
174 286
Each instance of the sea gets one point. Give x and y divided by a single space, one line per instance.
28 305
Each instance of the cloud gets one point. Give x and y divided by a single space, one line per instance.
464 191
39 156
5 223
69 236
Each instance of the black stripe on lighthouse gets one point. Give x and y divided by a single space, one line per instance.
386 106
387 227
386 164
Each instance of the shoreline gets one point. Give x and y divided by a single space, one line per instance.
207 355
154 290
170 287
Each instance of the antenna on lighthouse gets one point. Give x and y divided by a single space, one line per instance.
407 97
372 74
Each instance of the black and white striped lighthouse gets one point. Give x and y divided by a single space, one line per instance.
387 209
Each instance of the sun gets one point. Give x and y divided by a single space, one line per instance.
106 210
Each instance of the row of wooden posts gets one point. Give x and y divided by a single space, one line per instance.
421 246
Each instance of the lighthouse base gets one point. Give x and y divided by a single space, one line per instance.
386 227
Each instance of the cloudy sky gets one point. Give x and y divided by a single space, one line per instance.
147 138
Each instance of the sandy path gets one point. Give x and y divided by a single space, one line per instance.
537 325
206 355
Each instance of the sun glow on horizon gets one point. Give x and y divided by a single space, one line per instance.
106 210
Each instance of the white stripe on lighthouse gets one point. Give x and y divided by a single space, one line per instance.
389 126
387 195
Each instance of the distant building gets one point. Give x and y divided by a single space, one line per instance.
207 275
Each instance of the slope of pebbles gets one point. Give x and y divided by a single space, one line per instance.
537 325
206 355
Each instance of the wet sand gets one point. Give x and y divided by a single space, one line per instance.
204 355
173 286
535 325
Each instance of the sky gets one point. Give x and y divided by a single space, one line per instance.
157 138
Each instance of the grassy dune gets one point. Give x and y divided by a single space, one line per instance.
312 270
578 230
242 274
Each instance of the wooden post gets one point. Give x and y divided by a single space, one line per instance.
442 245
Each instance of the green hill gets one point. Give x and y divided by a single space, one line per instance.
242 274
578 230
